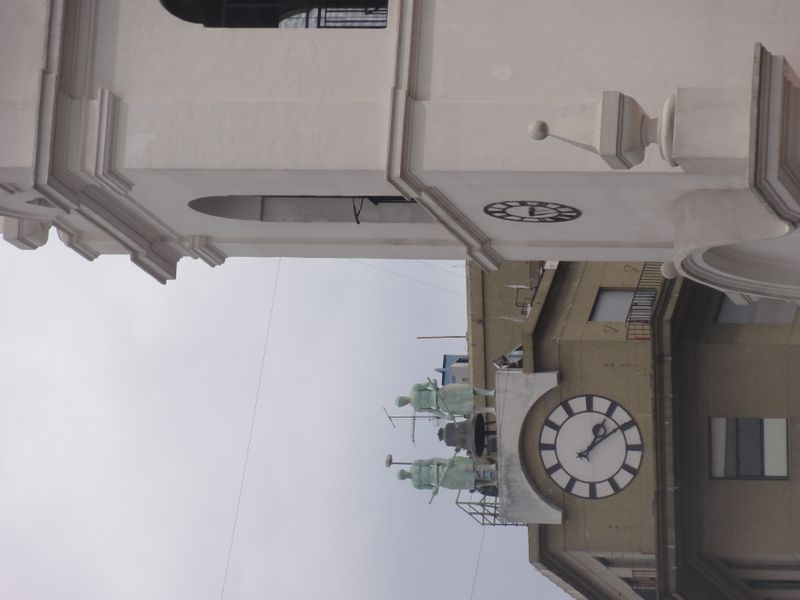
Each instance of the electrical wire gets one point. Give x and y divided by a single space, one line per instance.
252 426
462 274
477 563
436 287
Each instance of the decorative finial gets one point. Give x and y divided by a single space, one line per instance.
538 130
668 270
619 131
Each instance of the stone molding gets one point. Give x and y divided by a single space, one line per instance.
710 226
774 166
399 173
76 151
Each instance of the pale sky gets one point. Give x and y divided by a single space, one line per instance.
124 418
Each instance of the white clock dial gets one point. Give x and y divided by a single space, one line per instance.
591 446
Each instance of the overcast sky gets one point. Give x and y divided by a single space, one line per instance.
124 418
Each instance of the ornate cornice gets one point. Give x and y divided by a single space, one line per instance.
76 156
709 228
104 164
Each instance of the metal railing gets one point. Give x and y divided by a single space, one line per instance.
297 14
329 18
484 510
639 321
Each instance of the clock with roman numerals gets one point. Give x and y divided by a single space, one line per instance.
531 211
591 446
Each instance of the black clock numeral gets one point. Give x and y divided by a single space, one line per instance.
629 469
589 403
611 408
544 447
570 484
634 448
626 425
552 468
568 409
614 485
551 425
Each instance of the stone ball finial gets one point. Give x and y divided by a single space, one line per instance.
668 270
538 130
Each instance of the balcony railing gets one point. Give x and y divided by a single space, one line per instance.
639 320
297 14
484 510
328 18
303 14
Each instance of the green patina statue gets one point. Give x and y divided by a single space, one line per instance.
457 473
452 400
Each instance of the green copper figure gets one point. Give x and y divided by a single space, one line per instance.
452 400
457 473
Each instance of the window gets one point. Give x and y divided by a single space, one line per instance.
612 305
764 310
314 209
749 448
296 14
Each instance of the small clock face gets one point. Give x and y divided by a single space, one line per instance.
591 447
530 211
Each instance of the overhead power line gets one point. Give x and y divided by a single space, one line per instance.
252 426
461 273
477 563
430 285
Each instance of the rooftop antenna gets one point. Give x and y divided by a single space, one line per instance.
412 418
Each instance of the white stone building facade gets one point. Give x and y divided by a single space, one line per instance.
132 131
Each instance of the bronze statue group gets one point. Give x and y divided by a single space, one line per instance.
450 402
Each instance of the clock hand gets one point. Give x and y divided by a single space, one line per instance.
597 440
598 431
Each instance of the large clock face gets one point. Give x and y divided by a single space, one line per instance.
531 211
591 446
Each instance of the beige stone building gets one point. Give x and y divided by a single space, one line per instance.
660 463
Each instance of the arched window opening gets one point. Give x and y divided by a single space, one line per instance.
314 209
297 14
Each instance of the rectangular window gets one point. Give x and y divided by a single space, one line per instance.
611 305
749 448
765 310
